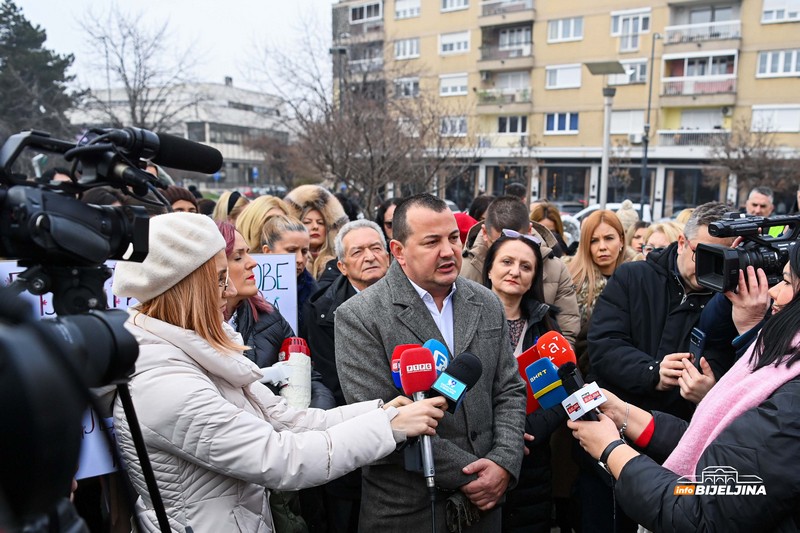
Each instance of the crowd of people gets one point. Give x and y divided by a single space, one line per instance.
230 454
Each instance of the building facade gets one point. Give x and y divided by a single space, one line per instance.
516 71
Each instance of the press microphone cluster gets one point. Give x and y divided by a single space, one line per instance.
417 374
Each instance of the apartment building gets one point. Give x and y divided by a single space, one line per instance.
515 74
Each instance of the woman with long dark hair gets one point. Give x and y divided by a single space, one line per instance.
513 271
741 447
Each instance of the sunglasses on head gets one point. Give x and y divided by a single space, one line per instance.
516 235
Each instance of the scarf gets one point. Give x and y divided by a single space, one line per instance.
739 390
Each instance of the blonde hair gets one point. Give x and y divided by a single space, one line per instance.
192 304
328 249
582 267
684 216
221 213
250 223
672 230
277 226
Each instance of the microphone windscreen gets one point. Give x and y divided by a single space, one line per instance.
571 377
177 152
417 370
466 368
542 376
524 360
441 356
398 351
555 347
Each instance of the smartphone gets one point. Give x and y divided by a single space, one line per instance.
697 343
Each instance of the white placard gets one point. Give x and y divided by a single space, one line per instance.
96 457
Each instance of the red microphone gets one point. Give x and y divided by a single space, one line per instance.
555 347
524 360
417 374
293 345
398 351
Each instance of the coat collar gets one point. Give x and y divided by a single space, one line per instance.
416 317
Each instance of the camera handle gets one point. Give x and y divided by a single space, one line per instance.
75 289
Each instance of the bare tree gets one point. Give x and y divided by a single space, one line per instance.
755 157
143 68
364 131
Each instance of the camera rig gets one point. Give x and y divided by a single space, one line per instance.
718 266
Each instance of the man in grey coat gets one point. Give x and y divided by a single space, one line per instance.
478 449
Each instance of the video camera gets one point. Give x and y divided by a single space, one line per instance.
718 266
46 366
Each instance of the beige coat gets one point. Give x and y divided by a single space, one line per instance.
216 437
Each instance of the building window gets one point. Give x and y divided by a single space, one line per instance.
635 72
196 131
513 38
406 87
561 30
628 25
778 63
563 76
453 84
709 14
406 9
626 122
454 43
780 11
513 124
453 126
561 123
514 80
776 118
365 13
454 5
406 48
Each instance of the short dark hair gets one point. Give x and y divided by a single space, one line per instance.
400 229
479 206
516 190
507 212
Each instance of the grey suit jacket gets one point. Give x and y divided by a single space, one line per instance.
490 421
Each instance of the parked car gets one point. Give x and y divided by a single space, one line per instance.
453 206
569 208
583 213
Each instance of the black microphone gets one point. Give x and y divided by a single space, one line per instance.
167 150
460 376
572 381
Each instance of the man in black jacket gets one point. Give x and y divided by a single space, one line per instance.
362 259
639 331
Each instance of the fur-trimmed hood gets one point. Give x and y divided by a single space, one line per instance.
319 198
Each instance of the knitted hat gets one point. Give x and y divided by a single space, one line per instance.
179 244
627 215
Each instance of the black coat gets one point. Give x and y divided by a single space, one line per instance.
642 315
318 331
528 506
763 442
264 335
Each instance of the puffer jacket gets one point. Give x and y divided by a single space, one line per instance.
559 290
216 440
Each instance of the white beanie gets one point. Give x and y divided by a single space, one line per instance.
179 243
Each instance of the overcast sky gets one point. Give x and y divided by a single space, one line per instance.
225 32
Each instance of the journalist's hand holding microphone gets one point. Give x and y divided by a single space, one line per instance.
420 417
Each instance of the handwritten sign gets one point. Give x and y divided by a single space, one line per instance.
96 456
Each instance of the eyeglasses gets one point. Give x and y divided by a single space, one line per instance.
224 284
387 224
516 235
694 250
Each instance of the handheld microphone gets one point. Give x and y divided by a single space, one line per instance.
417 374
167 150
460 376
524 360
543 380
573 383
555 347
398 351
441 356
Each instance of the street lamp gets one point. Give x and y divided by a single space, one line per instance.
604 68
646 136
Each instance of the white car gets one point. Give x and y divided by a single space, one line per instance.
586 211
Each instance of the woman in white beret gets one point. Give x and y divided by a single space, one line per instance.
216 439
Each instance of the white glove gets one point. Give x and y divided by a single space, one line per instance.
277 374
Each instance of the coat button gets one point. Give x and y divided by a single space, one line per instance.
322 315
473 435
651 367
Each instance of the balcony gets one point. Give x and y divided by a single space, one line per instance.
713 137
496 12
699 90
362 32
515 101
695 33
500 140
374 64
494 57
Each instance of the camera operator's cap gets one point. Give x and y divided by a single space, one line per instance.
179 244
